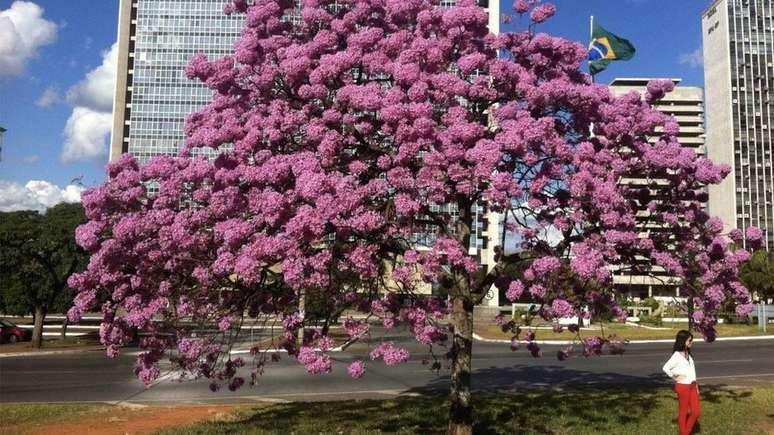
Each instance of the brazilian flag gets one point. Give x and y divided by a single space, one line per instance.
606 47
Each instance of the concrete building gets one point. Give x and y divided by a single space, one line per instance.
685 104
738 40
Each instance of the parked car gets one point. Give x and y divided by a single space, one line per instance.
10 333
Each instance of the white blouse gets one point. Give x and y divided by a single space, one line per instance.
679 365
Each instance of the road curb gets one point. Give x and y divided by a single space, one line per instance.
135 353
665 340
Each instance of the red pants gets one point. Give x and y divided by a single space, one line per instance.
688 396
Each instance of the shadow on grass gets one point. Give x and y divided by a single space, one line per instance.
538 399
515 400
506 401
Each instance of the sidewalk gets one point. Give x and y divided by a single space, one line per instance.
657 340
624 331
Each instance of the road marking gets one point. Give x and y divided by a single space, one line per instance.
123 404
337 393
209 399
725 361
577 353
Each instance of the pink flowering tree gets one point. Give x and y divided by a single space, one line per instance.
345 138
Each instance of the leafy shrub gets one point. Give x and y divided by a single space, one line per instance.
650 303
646 319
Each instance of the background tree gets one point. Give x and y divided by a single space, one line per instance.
38 254
758 274
343 141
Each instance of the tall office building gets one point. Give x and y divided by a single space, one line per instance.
739 80
685 104
156 39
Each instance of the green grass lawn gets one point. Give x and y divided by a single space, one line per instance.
21 415
640 412
86 341
624 331
589 411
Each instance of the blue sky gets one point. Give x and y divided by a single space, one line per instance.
665 33
33 145
58 76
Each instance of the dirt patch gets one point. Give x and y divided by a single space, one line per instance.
765 427
136 421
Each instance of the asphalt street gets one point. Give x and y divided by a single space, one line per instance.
91 376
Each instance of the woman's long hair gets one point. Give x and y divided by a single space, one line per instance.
680 341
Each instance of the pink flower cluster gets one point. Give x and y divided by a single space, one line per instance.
391 354
356 328
592 346
356 369
562 309
314 362
543 12
515 290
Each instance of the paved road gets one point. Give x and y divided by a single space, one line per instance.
90 376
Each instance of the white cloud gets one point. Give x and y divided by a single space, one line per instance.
32 158
694 59
523 217
36 195
88 128
95 91
22 31
86 134
49 97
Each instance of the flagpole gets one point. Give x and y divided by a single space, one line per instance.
591 39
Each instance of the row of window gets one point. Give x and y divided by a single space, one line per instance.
167 127
165 110
211 6
169 23
175 57
159 40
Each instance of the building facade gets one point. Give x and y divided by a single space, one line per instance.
738 40
686 105
156 39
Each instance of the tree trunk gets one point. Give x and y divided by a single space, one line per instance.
64 328
461 409
37 330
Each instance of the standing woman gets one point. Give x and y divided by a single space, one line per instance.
682 370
